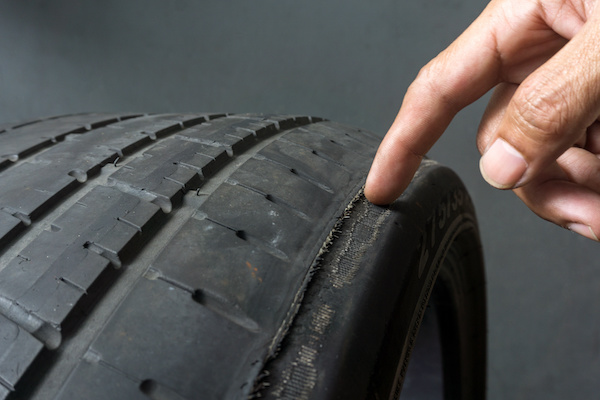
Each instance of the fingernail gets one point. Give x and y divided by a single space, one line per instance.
583 230
502 166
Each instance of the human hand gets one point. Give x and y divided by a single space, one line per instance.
540 134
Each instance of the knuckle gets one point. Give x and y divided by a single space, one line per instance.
432 82
424 83
542 115
428 73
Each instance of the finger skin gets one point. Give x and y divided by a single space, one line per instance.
565 204
581 167
493 114
552 107
487 53
566 193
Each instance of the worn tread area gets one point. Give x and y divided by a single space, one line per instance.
47 278
216 301
245 245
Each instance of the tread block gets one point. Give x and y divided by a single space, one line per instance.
23 140
258 219
117 138
168 154
117 239
163 170
289 121
160 170
55 289
4 392
31 189
208 160
29 192
234 132
55 294
327 148
9 228
153 126
358 141
40 267
306 164
50 298
283 121
229 273
134 339
96 381
89 266
108 208
18 348
287 187
221 133
56 269
127 136
205 291
81 153
157 126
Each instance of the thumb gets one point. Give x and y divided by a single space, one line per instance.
548 112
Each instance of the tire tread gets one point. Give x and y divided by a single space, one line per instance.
122 179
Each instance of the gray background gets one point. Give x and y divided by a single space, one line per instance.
349 61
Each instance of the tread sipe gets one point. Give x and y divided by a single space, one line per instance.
179 256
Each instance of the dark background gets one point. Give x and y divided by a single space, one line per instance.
349 61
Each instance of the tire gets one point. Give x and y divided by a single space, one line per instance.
225 257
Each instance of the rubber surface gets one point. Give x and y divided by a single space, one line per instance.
82 195
224 257
360 317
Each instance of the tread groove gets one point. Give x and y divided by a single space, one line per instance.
183 185
211 301
6 384
243 235
333 131
155 391
318 154
66 281
102 251
208 142
137 226
26 319
55 140
237 232
194 168
19 215
146 195
169 126
131 224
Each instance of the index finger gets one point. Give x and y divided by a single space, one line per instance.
459 75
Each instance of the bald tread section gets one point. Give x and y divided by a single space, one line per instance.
191 235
